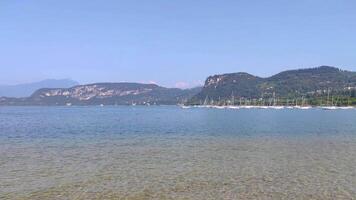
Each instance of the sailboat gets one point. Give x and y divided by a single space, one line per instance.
221 104
247 104
348 102
329 107
232 103
304 106
275 103
206 103
289 106
296 104
263 104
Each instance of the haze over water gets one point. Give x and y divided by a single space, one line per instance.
165 152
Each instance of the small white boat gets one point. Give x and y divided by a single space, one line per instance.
219 107
277 107
233 107
305 107
302 107
329 108
185 107
346 107
247 107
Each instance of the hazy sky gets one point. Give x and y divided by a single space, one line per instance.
171 42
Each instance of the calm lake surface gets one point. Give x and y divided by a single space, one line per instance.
165 152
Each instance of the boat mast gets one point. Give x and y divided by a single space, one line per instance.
349 98
206 100
327 101
232 98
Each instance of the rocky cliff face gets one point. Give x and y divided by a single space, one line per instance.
105 93
100 90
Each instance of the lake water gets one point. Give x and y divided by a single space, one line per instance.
165 152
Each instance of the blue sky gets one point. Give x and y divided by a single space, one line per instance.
171 42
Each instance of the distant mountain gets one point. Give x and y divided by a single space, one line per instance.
106 94
312 85
25 90
288 84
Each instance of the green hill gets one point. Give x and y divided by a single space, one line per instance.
312 84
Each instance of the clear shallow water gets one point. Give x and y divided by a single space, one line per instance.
166 152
